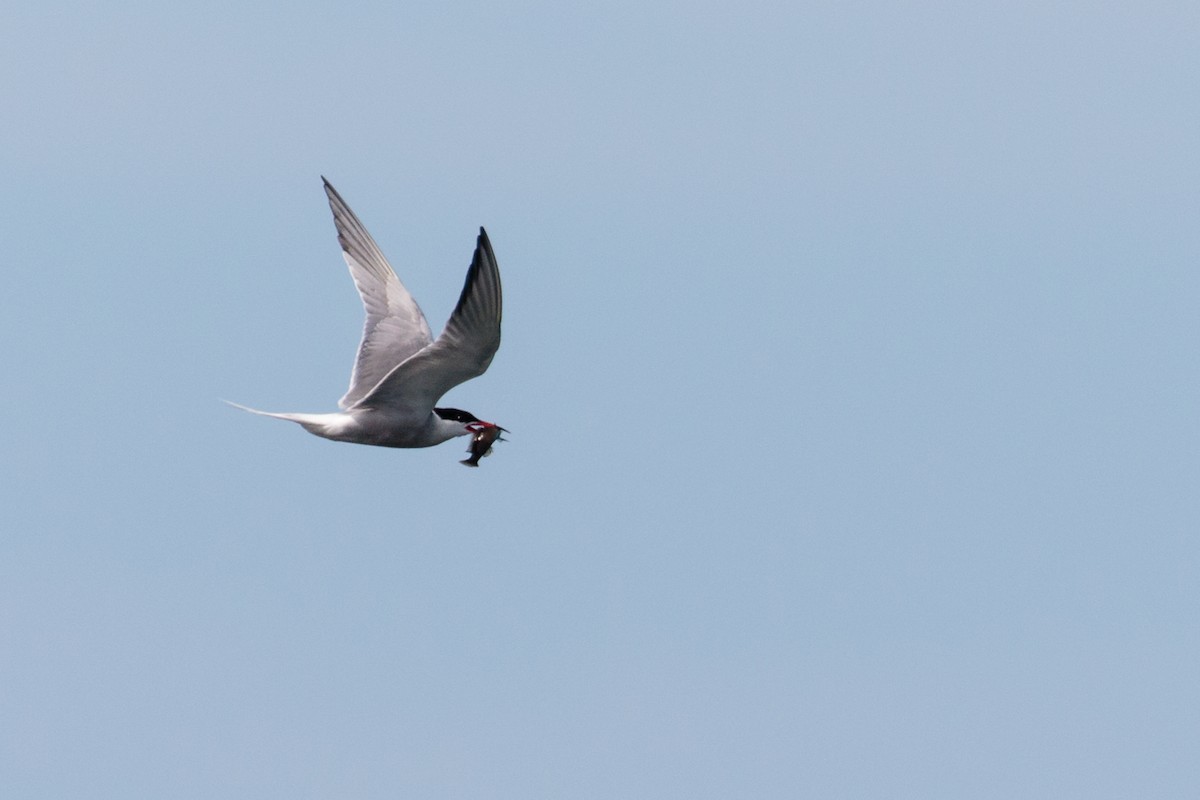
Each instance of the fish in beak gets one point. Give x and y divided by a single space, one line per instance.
481 443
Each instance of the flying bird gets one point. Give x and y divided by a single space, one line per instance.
401 371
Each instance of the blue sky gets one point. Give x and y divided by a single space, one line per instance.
849 357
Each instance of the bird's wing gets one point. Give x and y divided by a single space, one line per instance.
462 351
395 328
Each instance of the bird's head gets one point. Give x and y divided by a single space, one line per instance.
470 423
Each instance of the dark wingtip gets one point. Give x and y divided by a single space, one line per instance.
467 463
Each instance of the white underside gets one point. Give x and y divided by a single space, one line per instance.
369 426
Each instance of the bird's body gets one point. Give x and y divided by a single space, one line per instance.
401 371
370 426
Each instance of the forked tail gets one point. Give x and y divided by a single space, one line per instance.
311 422
261 413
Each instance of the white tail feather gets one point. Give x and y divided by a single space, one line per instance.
314 423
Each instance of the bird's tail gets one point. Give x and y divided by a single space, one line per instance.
309 421
256 411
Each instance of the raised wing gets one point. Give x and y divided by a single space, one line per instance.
395 328
463 350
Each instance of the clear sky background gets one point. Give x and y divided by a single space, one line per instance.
850 358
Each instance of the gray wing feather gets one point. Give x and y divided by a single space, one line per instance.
395 328
463 350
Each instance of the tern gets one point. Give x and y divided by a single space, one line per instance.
401 371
